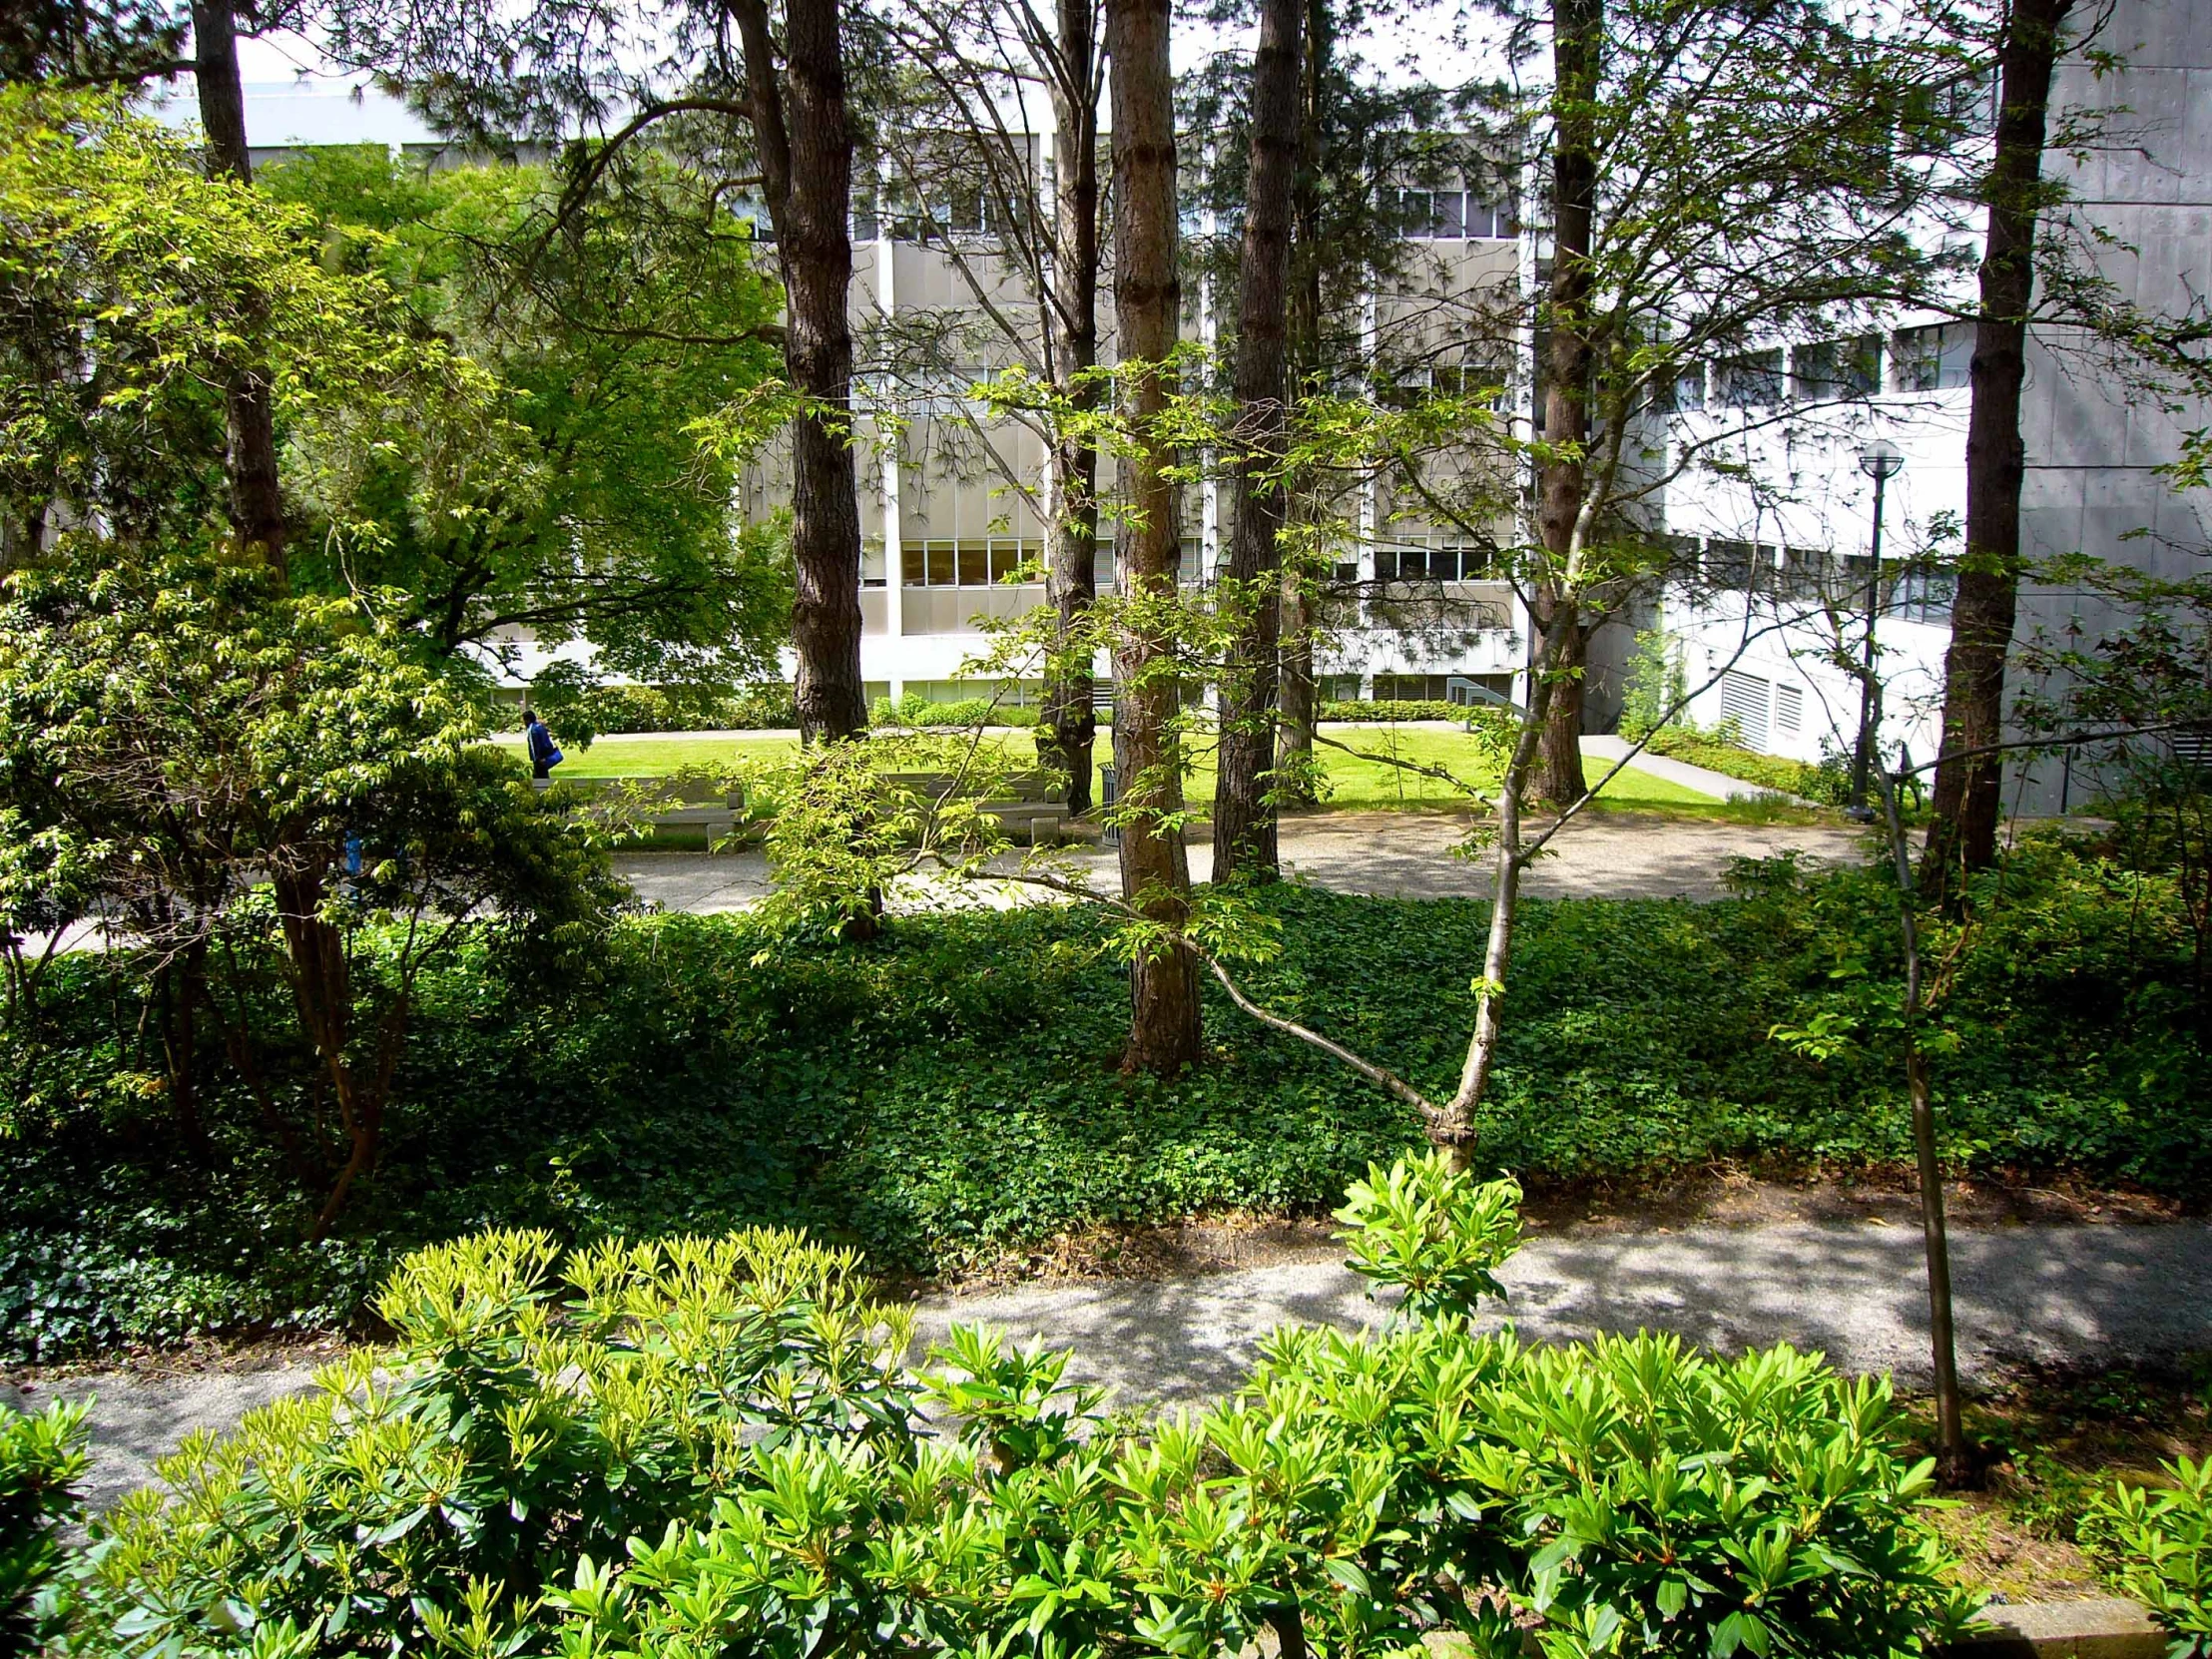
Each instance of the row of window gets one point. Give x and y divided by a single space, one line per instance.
1453 562
1934 359
1454 215
1912 592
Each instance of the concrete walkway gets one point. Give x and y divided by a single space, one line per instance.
2077 1294
1385 854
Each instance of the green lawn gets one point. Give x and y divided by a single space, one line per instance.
1356 783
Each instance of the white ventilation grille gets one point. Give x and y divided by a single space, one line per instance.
1788 710
1744 700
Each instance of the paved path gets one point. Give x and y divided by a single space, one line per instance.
1390 854
2076 1293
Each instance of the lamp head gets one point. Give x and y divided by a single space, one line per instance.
1882 459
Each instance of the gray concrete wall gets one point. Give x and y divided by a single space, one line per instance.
2094 442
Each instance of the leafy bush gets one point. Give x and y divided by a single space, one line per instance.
917 711
41 1458
1827 784
712 1447
1405 709
579 713
1656 684
522 1421
2156 1545
1431 1234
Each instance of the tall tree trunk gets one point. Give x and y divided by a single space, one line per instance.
1295 695
1154 868
1577 46
1071 717
1244 841
1967 793
805 138
257 497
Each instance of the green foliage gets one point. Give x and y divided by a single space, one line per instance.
917 711
1389 709
1827 784
945 1097
41 1458
579 711
2155 1543
522 1421
478 523
1431 1233
715 1446
1656 684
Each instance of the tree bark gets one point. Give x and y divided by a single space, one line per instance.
1295 694
1968 796
1154 868
1244 820
805 138
257 495
1577 46
1071 717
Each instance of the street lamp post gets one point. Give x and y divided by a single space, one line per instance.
1880 461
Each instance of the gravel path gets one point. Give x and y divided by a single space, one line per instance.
1387 854
2075 1294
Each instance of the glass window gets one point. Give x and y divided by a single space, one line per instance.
940 564
1728 565
1832 369
914 570
1752 381
975 568
1935 359
1689 387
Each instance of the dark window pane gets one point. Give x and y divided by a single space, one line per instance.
975 571
911 568
940 564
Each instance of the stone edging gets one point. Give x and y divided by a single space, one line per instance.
2107 1628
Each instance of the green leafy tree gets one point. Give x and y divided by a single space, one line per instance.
606 519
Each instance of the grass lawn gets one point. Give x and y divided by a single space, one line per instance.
1357 783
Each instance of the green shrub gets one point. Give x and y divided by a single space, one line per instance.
42 1459
1403 709
2156 1545
1827 784
522 1419
1656 684
712 1448
580 714
917 711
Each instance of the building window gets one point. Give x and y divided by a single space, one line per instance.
1832 369
1450 215
1727 566
966 564
1452 562
1752 381
1919 593
1935 359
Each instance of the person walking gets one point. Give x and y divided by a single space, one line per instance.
543 756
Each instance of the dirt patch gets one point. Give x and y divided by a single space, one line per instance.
241 1357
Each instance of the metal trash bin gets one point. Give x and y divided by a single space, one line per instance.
1109 791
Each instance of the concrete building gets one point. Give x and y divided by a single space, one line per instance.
2140 211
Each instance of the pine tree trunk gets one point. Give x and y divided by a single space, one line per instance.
250 420
1070 725
1294 692
805 138
1968 794
1154 868
1245 840
1578 35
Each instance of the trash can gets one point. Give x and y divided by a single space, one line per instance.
1109 791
